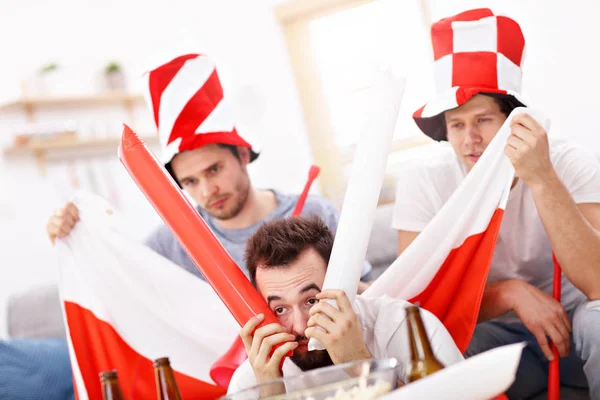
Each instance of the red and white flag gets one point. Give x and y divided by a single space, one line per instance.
125 306
445 269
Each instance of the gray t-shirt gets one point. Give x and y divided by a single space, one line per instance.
234 240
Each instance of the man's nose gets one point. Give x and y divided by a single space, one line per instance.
473 134
299 322
207 188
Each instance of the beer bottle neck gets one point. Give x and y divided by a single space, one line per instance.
420 348
166 385
111 390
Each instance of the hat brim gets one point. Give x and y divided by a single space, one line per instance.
430 117
200 140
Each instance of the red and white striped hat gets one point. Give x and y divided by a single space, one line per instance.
189 109
474 52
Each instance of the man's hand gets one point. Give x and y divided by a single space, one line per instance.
259 345
62 222
528 150
544 317
343 336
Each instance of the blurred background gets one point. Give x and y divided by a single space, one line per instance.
72 73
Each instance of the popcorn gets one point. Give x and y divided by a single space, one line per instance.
361 392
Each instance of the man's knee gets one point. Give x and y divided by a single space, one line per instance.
586 328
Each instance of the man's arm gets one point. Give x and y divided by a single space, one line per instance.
574 233
405 238
573 230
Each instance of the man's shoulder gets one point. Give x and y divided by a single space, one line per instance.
388 310
318 204
373 308
564 151
314 204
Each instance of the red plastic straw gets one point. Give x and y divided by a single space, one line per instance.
554 368
313 173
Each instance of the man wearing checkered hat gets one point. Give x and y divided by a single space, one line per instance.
554 204
207 157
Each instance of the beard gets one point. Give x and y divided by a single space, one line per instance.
309 360
238 200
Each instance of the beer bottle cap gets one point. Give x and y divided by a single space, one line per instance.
162 362
108 375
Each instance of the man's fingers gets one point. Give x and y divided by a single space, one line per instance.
249 327
542 340
560 337
322 321
261 333
564 318
271 341
515 142
526 121
327 309
281 352
339 296
314 332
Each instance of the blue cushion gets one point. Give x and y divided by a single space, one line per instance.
35 369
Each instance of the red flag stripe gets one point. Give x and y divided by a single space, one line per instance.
98 347
455 293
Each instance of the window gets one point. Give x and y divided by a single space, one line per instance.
336 49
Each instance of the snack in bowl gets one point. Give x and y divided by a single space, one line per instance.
364 380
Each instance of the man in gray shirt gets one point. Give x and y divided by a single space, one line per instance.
206 156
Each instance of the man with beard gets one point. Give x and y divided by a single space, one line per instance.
207 157
287 260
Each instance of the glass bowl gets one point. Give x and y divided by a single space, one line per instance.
364 379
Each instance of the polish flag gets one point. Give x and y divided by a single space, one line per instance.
125 306
445 269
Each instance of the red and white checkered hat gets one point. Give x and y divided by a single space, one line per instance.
189 109
474 52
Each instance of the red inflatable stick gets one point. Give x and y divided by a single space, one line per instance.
312 175
207 253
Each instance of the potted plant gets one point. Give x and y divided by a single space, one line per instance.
114 77
46 79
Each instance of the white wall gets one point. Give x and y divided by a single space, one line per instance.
82 36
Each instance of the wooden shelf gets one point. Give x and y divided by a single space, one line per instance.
83 146
93 99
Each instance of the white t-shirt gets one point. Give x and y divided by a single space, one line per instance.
383 320
523 249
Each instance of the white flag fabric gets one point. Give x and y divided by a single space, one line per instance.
445 268
125 306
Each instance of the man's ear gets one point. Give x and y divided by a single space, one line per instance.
244 153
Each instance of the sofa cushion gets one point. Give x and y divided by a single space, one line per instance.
36 313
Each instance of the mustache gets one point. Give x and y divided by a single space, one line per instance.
214 199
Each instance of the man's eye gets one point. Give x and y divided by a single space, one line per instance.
214 170
312 302
279 310
457 125
189 182
481 120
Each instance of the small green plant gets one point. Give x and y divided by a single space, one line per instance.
112 67
48 68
